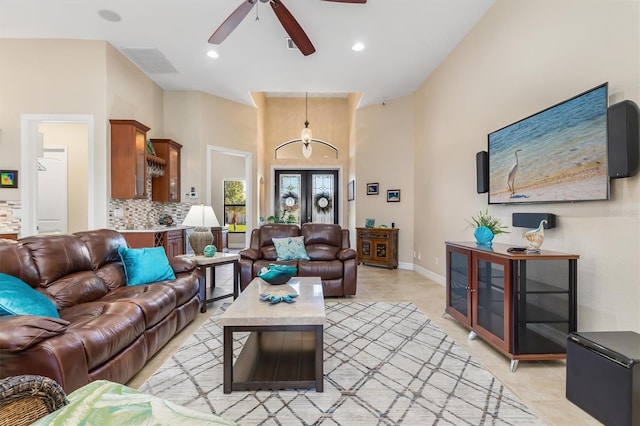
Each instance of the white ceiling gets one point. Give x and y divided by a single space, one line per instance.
405 40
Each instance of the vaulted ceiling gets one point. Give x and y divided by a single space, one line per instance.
404 41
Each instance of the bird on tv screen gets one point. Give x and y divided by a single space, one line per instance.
559 154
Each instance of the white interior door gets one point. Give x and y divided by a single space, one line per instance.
51 211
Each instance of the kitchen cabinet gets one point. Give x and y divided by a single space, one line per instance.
128 159
523 304
166 188
171 239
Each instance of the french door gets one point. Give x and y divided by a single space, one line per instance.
306 196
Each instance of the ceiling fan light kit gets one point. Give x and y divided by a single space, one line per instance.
288 22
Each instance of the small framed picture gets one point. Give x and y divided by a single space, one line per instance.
393 195
372 188
369 223
351 189
8 178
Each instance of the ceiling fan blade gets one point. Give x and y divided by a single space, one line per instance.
349 1
292 28
232 22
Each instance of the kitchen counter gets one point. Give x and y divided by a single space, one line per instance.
158 228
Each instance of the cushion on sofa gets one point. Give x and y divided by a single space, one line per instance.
18 298
79 287
290 248
24 331
145 265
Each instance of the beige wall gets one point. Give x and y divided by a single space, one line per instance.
384 155
198 120
53 77
522 57
329 121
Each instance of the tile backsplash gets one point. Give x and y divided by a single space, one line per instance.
10 216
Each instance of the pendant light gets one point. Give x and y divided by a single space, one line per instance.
305 135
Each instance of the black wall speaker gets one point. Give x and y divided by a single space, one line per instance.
624 141
482 172
532 220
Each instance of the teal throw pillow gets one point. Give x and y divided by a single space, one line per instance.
18 298
290 248
145 265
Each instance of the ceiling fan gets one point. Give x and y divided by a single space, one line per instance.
289 23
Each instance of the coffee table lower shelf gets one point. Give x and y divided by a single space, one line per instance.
275 357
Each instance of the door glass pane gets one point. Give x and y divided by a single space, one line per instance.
459 279
491 297
323 196
289 198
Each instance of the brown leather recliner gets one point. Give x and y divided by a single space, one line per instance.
106 330
327 245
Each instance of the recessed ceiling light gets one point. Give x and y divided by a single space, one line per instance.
213 54
358 47
109 15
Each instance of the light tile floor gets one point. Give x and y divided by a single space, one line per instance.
539 384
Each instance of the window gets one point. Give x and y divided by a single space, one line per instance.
235 209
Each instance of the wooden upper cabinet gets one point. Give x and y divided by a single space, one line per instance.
128 159
167 187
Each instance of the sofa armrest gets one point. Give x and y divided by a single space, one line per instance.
182 264
250 253
20 332
346 254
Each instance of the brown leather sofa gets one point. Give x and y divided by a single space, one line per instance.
327 245
106 330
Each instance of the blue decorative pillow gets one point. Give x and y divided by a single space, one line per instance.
18 298
145 265
290 248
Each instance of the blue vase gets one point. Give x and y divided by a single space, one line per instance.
483 235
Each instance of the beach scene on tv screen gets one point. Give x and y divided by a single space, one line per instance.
559 154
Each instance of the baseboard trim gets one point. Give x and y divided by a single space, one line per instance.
430 275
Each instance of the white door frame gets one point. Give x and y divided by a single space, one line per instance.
30 148
248 171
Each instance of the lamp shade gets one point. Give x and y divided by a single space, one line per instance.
203 218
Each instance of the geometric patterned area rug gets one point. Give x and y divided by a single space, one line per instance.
384 364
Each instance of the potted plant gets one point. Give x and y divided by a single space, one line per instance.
486 227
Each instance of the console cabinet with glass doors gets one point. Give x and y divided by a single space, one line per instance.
378 246
523 304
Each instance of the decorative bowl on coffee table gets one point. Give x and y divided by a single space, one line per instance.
277 274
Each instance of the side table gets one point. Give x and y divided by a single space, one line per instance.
210 263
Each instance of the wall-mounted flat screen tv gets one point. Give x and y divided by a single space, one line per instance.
556 155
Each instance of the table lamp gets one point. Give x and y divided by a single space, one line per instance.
203 218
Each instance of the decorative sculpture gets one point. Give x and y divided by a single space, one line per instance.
535 237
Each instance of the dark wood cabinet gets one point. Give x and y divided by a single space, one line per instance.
9 235
172 240
128 159
166 188
221 238
378 246
523 304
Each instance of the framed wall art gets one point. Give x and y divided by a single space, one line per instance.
393 195
8 178
373 188
351 189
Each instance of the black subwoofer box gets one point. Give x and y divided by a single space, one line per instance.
532 220
482 172
603 375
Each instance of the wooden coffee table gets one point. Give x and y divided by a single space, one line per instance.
285 347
